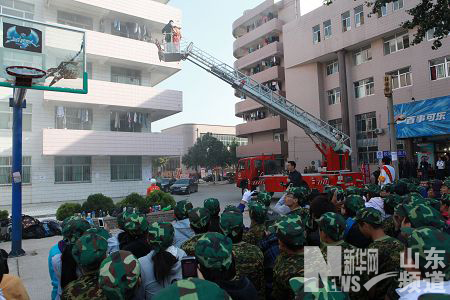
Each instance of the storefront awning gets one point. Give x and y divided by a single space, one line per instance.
423 118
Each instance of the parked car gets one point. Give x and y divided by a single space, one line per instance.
184 186
230 177
208 178
166 183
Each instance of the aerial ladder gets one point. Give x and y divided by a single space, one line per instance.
331 142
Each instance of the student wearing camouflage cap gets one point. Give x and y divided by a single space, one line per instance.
64 265
352 234
119 275
390 202
249 258
181 224
295 199
419 215
89 251
113 241
331 228
424 243
199 221
213 205
290 263
370 223
162 265
100 231
258 216
326 291
193 288
214 253
134 239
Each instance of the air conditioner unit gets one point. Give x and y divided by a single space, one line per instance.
379 131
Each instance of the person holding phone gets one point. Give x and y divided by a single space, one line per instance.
162 266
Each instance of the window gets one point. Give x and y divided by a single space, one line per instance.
359 16
17 8
334 96
6 170
430 34
440 68
345 17
316 34
366 137
6 116
227 139
129 121
401 78
364 88
332 67
336 123
125 168
384 10
127 76
327 29
278 137
75 20
396 43
73 118
396 5
72 169
362 55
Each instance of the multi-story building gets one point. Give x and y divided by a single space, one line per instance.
335 60
258 49
75 145
192 132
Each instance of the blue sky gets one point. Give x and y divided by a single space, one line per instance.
207 23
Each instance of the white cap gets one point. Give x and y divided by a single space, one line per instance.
153 181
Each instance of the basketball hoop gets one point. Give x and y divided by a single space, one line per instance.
25 75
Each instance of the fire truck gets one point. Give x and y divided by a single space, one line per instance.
264 172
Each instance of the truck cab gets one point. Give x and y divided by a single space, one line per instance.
250 169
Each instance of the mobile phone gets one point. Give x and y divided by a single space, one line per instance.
101 223
189 267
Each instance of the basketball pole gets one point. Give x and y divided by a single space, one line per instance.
18 103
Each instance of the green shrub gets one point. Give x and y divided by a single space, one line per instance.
66 210
160 198
136 201
4 214
98 202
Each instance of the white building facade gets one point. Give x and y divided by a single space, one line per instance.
76 145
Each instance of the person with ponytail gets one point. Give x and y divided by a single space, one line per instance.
162 266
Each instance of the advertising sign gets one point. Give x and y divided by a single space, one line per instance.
22 38
423 118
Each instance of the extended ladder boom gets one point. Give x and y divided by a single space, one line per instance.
265 96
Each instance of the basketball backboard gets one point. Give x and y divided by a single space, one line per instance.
58 50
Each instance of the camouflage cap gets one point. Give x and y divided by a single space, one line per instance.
331 189
415 197
229 208
121 219
160 235
400 210
424 215
257 212
89 250
300 193
192 288
74 229
231 223
388 187
214 251
373 188
369 215
326 292
333 225
119 273
445 200
354 203
264 198
431 242
100 231
352 190
199 217
391 201
67 220
135 224
413 187
289 229
182 209
434 203
446 182
213 205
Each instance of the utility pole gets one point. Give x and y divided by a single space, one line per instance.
391 121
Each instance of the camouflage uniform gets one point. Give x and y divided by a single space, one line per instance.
423 215
289 230
193 288
298 285
389 227
353 203
266 199
249 258
135 224
88 252
198 218
119 274
389 250
74 228
182 209
258 215
100 231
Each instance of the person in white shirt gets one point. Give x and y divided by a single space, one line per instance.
387 174
440 165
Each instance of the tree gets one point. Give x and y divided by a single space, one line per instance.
232 158
207 152
427 15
